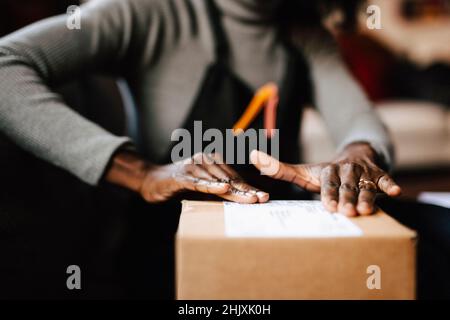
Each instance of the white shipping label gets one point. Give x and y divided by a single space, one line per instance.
288 219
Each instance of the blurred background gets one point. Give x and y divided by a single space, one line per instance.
404 68
407 78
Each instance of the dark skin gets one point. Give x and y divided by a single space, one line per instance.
338 182
201 173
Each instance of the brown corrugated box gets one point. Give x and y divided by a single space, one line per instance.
210 265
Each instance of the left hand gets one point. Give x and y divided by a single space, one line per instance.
348 184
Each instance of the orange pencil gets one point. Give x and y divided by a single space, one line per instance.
266 96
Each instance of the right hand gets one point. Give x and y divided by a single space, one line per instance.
202 173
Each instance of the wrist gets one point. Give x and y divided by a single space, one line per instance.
358 151
128 170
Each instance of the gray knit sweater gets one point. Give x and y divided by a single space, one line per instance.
162 47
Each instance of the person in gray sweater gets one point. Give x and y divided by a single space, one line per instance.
163 48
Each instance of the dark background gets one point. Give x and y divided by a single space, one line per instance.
19 13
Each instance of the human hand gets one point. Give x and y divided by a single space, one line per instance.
348 184
202 173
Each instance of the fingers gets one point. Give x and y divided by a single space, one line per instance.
387 185
210 164
329 189
238 196
347 187
358 188
240 191
271 167
301 175
244 193
348 191
242 186
207 174
187 182
197 171
219 161
355 189
367 194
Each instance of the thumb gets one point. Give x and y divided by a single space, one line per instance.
271 167
298 174
267 165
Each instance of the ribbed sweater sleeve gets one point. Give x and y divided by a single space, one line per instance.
347 111
47 53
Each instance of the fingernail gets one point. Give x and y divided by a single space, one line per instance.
262 196
395 190
364 208
349 210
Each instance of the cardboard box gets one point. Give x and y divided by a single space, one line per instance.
210 265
